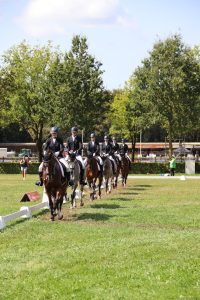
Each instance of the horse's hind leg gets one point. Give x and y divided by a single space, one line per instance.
94 189
59 203
51 208
81 195
73 196
99 187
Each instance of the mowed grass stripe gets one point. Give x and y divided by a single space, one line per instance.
141 242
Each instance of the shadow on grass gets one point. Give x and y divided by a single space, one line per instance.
143 185
95 217
106 206
136 189
120 199
129 193
14 223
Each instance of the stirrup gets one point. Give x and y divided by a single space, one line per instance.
39 183
70 182
82 182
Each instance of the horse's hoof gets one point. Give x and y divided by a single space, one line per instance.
60 218
52 219
109 192
81 204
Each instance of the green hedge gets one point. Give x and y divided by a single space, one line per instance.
137 168
14 168
156 168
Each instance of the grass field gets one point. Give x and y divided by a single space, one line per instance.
142 242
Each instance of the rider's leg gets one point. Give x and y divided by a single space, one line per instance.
114 164
82 170
40 182
66 170
129 160
100 163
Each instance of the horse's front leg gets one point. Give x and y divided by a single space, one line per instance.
94 189
90 187
73 196
110 184
59 202
107 183
51 207
99 187
81 194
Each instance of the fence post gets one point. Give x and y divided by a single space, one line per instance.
27 212
2 223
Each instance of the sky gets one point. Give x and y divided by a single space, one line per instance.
120 33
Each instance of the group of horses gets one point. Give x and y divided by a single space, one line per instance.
56 185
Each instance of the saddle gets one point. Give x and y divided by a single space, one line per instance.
63 169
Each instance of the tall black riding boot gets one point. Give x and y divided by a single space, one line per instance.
82 181
68 176
40 182
101 170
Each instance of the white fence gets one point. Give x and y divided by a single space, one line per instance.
24 212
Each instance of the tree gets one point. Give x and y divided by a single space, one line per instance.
170 78
78 91
26 70
130 113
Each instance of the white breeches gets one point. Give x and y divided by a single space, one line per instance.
79 157
126 154
65 163
40 167
111 158
118 156
62 160
99 159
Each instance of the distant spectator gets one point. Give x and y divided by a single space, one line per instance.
172 165
24 165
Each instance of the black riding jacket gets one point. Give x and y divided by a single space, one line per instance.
54 146
107 149
123 148
115 147
93 148
75 145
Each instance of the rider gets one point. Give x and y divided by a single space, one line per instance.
55 144
123 149
74 144
115 148
93 149
107 151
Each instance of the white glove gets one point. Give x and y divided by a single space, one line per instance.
57 153
93 154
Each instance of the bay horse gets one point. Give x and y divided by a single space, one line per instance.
55 184
125 165
108 174
92 174
118 164
75 171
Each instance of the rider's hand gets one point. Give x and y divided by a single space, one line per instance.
57 153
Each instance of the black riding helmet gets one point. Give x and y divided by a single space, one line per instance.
92 135
74 129
54 129
106 138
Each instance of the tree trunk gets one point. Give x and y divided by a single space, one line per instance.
170 142
133 141
39 143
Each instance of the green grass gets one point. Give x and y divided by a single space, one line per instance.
142 242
